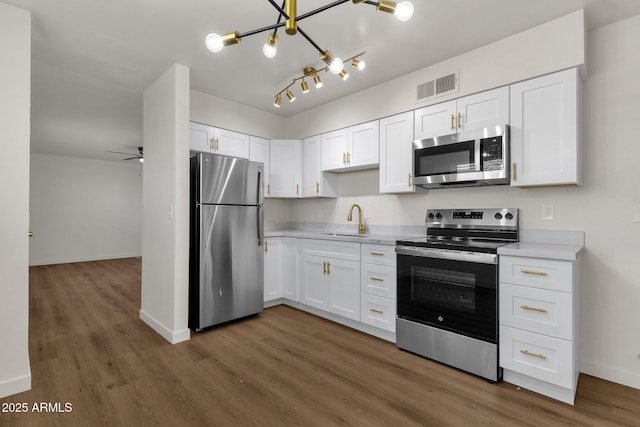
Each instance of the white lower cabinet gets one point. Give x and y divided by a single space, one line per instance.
280 268
330 276
378 286
539 320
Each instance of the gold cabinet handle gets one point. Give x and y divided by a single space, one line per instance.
31 234
538 355
297 189
409 180
266 246
348 158
536 273
268 188
324 267
375 310
526 307
459 120
513 172
317 188
213 143
217 144
376 279
328 267
344 158
376 253
452 122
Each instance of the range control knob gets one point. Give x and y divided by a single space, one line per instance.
431 215
498 216
509 216
439 215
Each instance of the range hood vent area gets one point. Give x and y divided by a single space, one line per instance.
437 87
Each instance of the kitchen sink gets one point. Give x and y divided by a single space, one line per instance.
346 234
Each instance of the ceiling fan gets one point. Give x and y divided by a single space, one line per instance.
139 156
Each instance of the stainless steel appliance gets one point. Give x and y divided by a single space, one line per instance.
447 289
465 159
226 257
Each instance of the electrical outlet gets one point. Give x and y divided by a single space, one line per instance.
547 212
636 213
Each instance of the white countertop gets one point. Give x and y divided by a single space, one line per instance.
542 250
378 239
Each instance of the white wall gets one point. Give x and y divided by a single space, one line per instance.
15 119
165 204
84 209
602 207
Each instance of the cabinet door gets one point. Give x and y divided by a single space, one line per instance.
231 143
314 282
284 179
311 173
259 152
289 263
396 152
200 137
485 109
273 271
435 120
334 150
363 145
344 279
544 130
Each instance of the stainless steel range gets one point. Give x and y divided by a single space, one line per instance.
448 288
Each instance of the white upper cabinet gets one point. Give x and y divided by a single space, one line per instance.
284 177
353 148
545 130
316 183
485 109
363 149
396 153
219 141
259 152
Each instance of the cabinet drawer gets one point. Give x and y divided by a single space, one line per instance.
379 312
378 254
538 356
536 272
537 310
378 280
347 251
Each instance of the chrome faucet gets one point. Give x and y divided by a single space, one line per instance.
361 227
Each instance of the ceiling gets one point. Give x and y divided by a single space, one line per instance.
91 60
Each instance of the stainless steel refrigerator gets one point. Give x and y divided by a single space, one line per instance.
226 256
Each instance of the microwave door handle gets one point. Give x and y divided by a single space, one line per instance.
478 155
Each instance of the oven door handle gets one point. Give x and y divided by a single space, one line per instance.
477 257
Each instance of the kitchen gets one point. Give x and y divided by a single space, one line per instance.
609 287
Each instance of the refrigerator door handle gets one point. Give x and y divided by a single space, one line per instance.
260 225
260 189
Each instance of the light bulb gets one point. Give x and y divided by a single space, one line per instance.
269 51
141 160
317 81
336 66
214 42
359 64
404 11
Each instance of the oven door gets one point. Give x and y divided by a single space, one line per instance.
450 290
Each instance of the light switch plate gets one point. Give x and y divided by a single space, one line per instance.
547 212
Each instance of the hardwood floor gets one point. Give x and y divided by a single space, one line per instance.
283 367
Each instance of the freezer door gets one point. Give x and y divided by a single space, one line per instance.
231 264
229 180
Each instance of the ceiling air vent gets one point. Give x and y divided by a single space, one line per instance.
437 87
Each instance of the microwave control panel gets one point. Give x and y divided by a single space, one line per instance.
491 148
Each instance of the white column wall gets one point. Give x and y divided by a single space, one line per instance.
15 119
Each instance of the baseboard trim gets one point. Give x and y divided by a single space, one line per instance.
627 378
15 386
174 337
37 263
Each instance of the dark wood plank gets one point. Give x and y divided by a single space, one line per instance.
283 367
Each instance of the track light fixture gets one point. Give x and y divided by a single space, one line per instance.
288 11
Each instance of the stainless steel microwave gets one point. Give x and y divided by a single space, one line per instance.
465 159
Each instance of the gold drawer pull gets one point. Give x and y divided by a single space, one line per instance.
324 267
375 310
376 253
453 126
526 307
537 273
376 279
538 355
